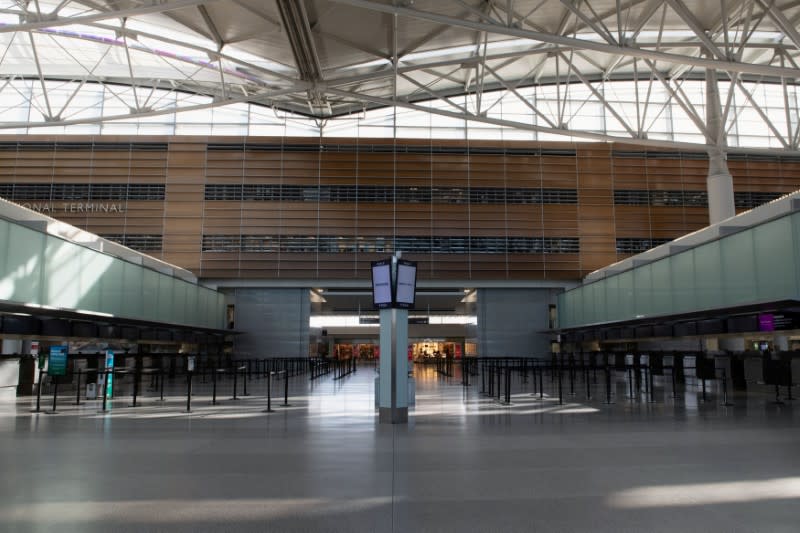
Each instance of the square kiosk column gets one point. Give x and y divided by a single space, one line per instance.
393 401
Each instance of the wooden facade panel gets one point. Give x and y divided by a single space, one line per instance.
593 171
187 260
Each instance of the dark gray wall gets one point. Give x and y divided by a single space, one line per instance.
510 322
274 322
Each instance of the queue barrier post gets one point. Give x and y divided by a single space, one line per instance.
630 382
571 371
725 401
508 386
498 371
136 376
269 393
286 389
234 382
541 386
586 379
78 389
189 391
214 386
39 392
55 392
105 390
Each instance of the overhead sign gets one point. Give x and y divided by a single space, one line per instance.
777 321
382 283
406 283
57 366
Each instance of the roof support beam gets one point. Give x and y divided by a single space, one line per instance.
600 97
688 17
104 15
595 25
571 42
782 22
530 127
761 113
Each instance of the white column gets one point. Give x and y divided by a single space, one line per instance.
781 343
719 182
385 400
393 401
9 370
9 346
401 366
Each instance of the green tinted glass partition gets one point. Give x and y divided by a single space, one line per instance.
41 269
754 265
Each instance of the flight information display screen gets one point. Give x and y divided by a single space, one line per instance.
406 283
382 283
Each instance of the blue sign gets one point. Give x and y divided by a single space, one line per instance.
109 373
57 365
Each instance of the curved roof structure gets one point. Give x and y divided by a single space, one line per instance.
331 58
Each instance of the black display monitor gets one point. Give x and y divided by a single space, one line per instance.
382 283
406 283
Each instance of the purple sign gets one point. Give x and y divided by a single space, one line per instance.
766 322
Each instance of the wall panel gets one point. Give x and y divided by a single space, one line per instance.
459 181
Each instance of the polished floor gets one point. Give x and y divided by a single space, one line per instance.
464 462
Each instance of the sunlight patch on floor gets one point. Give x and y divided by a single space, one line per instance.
707 493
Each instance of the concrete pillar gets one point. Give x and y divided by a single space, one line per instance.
711 344
10 346
732 344
719 182
781 343
9 370
393 379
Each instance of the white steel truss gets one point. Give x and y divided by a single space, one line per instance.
592 69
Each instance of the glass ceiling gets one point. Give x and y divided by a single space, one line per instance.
326 68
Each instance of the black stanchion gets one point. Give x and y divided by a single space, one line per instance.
189 392
571 376
161 380
674 380
105 390
55 392
78 389
560 389
244 381
586 379
136 377
608 384
650 384
234 383
725 389
541 387
286 389
508 386
214 386
269 393
630 383
498 372
39 392
777 392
